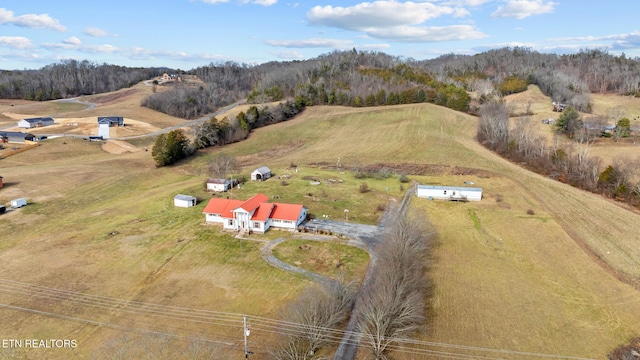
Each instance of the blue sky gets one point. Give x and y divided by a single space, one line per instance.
185 34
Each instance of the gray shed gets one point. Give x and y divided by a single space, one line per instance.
261 174
184 201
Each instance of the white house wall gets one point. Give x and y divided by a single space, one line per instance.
104 131
217 187
214 218
449 193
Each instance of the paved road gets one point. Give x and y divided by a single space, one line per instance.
371 236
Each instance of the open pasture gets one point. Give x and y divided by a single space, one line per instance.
560 281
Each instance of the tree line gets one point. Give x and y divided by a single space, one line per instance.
391 307
569 163
177 144
70 78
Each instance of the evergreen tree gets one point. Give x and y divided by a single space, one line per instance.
169 148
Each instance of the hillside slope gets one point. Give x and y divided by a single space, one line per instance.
104 224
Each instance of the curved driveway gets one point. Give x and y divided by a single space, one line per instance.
366 237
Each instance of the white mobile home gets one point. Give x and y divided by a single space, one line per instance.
449 193
184 201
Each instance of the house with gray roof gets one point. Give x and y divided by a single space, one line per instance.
35 122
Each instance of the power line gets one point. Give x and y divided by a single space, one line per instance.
258 324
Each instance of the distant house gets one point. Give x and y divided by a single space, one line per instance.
17 137
558 107
184 201
111 120
454 193
219 185
261 174
35 122
1 184
107 122
255 214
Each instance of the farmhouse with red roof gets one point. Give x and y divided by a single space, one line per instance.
255 214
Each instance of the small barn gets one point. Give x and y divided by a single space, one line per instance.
261 174
454 193
184 201
35 122
17 137
219 185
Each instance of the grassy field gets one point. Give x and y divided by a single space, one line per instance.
105 224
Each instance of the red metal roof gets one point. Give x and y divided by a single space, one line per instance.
253 203
286 211
222 206
259 203
263 212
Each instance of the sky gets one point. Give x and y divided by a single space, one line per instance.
185 34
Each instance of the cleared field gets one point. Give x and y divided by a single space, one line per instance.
105 224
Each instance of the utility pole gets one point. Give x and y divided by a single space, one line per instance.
246 334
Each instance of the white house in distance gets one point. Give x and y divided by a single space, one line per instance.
449 193
35 122
219 185
261 174
255 214
106 122
184 201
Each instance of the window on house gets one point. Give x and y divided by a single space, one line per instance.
256 225
445 192
230 222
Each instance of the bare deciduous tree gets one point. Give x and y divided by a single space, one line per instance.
222 165
393 305
316 312
493 125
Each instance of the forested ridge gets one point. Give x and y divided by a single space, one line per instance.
360 78
349 78
70 78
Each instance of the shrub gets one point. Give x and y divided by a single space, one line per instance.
403 178
530 212
363 188
499 198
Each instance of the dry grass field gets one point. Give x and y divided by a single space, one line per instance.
522 284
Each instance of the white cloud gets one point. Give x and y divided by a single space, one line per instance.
472 3
288 55
373 47
426 34
378 14
521 9
95 32
310 43
72 41
16 42
214 1
394 20
34 21
263 2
